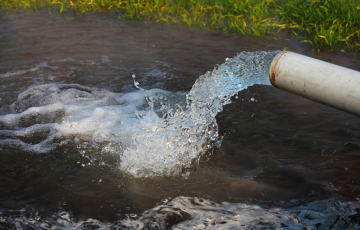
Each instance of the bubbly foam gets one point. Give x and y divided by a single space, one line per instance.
198 213
69 112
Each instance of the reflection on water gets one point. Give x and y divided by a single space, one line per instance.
65 82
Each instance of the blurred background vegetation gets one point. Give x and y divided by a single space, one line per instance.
325 24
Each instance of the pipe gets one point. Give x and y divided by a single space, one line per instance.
317 80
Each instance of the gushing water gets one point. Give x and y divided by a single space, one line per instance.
155 132
177 140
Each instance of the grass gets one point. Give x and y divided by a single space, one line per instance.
327 24
324 24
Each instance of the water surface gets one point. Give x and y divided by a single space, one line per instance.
278 150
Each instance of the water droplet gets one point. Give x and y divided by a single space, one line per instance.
133 76
252 99
236 97
99 180
186 175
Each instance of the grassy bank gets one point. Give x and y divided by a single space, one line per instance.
324 24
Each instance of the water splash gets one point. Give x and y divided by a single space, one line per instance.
176 141
155 132
199 213
46 117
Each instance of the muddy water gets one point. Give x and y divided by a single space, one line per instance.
278 151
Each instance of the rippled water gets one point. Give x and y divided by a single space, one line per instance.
70 114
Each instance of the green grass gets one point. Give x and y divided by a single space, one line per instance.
328 24
325 24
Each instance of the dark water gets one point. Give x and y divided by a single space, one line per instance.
279 150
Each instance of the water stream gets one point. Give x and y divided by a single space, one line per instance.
174 143
153 135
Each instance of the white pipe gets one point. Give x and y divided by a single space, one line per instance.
317 80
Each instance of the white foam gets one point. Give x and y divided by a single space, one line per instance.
68 111
197 213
